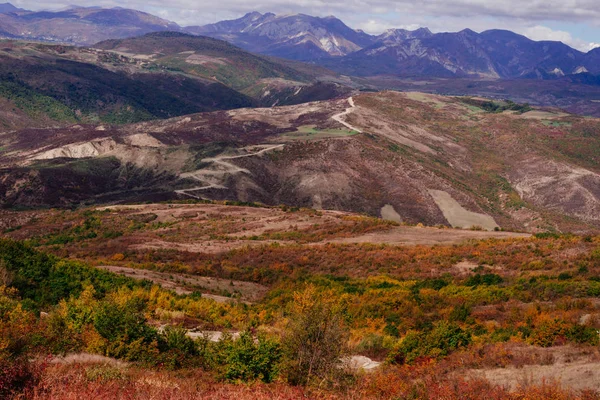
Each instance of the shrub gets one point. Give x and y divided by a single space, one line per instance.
177 349
440 341
125 330
316 338
175 338
486 279
548 332
375 345
248 359
18 377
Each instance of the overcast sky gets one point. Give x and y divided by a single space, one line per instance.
575 22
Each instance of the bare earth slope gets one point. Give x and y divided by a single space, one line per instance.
415 157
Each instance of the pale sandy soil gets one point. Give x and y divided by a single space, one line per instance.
573 367
458 216
410 235
577 375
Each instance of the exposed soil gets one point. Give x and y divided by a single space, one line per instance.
409 235
577 375
458 216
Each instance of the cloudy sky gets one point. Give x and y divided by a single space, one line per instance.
575 22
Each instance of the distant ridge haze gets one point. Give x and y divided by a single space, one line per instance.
325 40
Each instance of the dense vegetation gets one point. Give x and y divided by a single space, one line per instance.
311 318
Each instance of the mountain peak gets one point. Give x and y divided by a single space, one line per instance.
468 31
6 8
252 15
394 36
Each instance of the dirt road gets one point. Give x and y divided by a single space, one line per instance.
214 176
338 117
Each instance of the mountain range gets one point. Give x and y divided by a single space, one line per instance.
326 41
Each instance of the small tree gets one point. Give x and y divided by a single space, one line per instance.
249 358
316 338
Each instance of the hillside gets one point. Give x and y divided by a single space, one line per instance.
55 85
326 40
490 54
329 42
296 36
80 25
411 157
191 301
268 80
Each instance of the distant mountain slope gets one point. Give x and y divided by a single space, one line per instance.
325 40
42 85
81 25
6 8
490 54
297 36
329 42
269 80
420 158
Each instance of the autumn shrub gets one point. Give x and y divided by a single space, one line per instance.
177 349
18 376
444 338
18 331
125 330
250 358
316 338
549 332
375 345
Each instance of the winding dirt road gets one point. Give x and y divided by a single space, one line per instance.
214 176
338 117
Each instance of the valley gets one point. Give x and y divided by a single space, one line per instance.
284 207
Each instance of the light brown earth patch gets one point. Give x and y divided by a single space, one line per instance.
213 228
458 216
388 212
200 59
409 235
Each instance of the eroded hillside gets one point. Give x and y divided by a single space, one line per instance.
409 157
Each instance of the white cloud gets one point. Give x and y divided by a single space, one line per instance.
539 32
571 10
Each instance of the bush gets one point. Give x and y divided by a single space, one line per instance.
175 338
444 338
18 377
375 345
316 338
177 349
125 330
248 359
486 279
548 333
